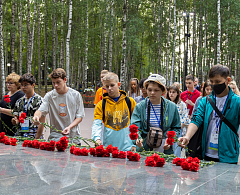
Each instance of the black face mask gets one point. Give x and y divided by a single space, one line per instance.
219 88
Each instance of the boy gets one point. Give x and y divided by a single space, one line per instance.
64 105
114 110
102 90
28 104
191 94
219 142
144 91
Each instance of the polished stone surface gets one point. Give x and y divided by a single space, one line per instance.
33 171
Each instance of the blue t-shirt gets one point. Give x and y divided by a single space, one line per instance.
116 99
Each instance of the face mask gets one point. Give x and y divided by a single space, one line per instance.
219 88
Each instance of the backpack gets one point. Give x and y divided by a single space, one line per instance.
127 99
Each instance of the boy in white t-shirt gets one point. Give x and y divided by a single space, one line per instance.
64 105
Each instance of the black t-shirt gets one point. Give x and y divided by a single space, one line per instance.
7 119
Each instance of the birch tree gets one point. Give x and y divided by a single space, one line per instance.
39 49
68 40
219 33
1 50
105 38
20 39
86 52
61 49
13 38
173 51
111 38
54 35
124 47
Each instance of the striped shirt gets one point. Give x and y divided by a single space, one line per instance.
153 119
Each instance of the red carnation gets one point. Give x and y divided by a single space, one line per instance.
129 154
106 153
160 162
133 136
194 167
178 161
170 141
150 161
133 128
189 159
85 152
115 148
62 144
196 160
171 134
72 149
77 151
21 120
23 115
156 157
115 154
122 154
99 151
7 100
109 148
35 144
92 151
6 140
185 165
13 141
190 93
6 96
135 157
42 145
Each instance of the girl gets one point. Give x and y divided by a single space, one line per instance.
163 114
207 90
134 90
234 87
173 95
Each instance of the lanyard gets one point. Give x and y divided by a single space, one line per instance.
142 97
218 122
28 102
156 115
191 95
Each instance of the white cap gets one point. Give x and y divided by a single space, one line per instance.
158 79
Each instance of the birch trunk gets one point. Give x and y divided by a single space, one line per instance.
101 50
39 51
111 38
20 39
200 45
105 38
116 47
61 49
124 47
168 43
54 36
86 52
33 30
219 33
45 47
13 38
172 76
194 39
68 40
1 51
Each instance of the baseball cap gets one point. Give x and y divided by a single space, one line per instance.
158 79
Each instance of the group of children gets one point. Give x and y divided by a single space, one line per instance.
177 112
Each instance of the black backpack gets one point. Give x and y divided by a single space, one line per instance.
127 99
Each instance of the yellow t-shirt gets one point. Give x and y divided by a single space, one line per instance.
99 95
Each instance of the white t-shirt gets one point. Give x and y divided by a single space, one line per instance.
63 109
212 127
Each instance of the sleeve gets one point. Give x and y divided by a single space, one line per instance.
97 98
136 118
195 106
45 105
80 109
176 124
198 116
97 122
16 108
184 114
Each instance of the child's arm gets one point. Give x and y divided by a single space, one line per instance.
97 123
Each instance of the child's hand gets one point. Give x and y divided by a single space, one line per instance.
133 149
98 142
15 121
139 143
166 146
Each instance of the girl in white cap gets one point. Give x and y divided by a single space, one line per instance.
158 112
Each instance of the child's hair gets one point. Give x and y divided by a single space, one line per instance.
175 88
190 77
28 77
206 84
137 87
58 73
141 82
14 78
177 84
104 72
237 90
111 76
219 69
153 82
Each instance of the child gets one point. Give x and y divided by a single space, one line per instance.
173 95
65 108
115 111
155 104
144 91
102 90
234 87
134 90
219 141
191 94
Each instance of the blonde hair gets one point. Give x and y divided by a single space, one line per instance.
111 76
104 72
58 73
237 90
14 78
